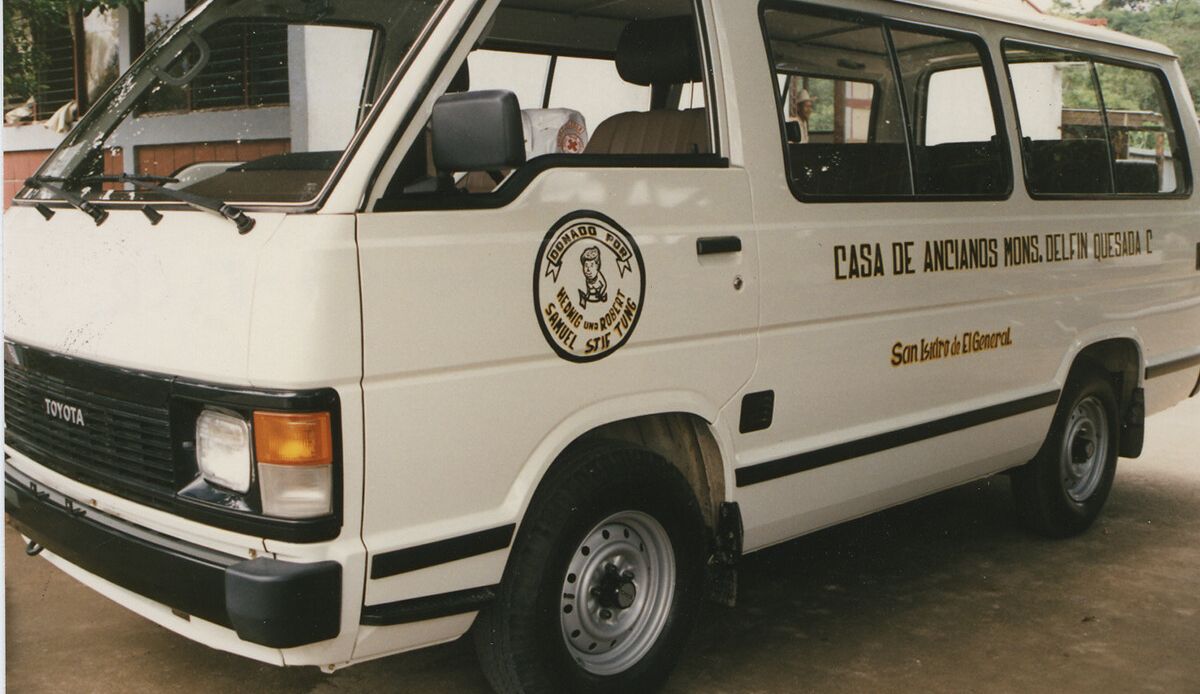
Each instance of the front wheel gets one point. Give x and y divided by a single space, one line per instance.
1061 491
603 582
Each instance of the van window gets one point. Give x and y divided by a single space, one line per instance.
593 87
1143 132
620 81
841 109
524 74
1062 127
875 110
953 123
957 107
1091 128
839 105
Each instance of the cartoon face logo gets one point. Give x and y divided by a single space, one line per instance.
596 287
588 286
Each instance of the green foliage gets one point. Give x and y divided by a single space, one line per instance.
23 60
1175 23
821 91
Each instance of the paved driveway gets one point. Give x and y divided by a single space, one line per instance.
941 595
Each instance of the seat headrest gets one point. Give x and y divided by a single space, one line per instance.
659 51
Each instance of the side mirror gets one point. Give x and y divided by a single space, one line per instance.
477 131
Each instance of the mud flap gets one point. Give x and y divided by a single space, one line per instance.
1133 425
727 550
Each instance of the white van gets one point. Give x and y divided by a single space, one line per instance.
529 317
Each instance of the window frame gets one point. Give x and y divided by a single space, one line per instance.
1094 58
886 24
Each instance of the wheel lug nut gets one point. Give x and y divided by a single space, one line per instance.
605 614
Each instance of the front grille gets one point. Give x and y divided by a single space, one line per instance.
123 447
136 436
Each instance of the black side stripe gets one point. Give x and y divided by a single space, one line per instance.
802 462
1172 366
440 552
429 607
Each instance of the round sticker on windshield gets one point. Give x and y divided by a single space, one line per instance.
588 286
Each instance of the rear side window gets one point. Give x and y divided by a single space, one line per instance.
875 109
1093 128
1145 138
839 105
953 127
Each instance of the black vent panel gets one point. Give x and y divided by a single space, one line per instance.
758 410
117 445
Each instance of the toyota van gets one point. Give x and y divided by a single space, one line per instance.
339 328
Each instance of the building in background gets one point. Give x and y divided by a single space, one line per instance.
254 76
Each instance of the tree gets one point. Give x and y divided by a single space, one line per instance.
1175 23
23 59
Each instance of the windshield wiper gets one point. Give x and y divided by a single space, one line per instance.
234 214
47 183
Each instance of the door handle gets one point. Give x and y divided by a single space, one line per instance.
711 245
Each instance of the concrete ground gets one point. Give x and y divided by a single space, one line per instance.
942 595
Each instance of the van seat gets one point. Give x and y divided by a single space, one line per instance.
653 132
1137 176
1068 166
657 53
858 168
961 168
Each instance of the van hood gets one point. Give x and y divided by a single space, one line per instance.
180 297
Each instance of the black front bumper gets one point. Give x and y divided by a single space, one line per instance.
273 603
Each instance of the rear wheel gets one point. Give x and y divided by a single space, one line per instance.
1061 491
603 582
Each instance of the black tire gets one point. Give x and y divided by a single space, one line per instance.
1062 490
521 639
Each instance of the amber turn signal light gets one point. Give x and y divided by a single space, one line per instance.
286 438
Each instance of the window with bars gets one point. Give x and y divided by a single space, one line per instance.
55 73
56 77
247 67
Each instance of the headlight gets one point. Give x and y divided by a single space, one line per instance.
223 450
295 463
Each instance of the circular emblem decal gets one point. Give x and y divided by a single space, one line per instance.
588 286
572 138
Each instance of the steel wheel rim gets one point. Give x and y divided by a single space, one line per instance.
617 592
1084 450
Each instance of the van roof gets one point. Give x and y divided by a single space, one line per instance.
1035 19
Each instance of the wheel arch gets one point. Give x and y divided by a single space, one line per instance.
1122 360
686 442
679 428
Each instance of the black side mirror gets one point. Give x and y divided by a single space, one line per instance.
478 131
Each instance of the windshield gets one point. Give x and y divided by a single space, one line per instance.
242 100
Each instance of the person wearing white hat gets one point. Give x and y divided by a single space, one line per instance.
800 111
